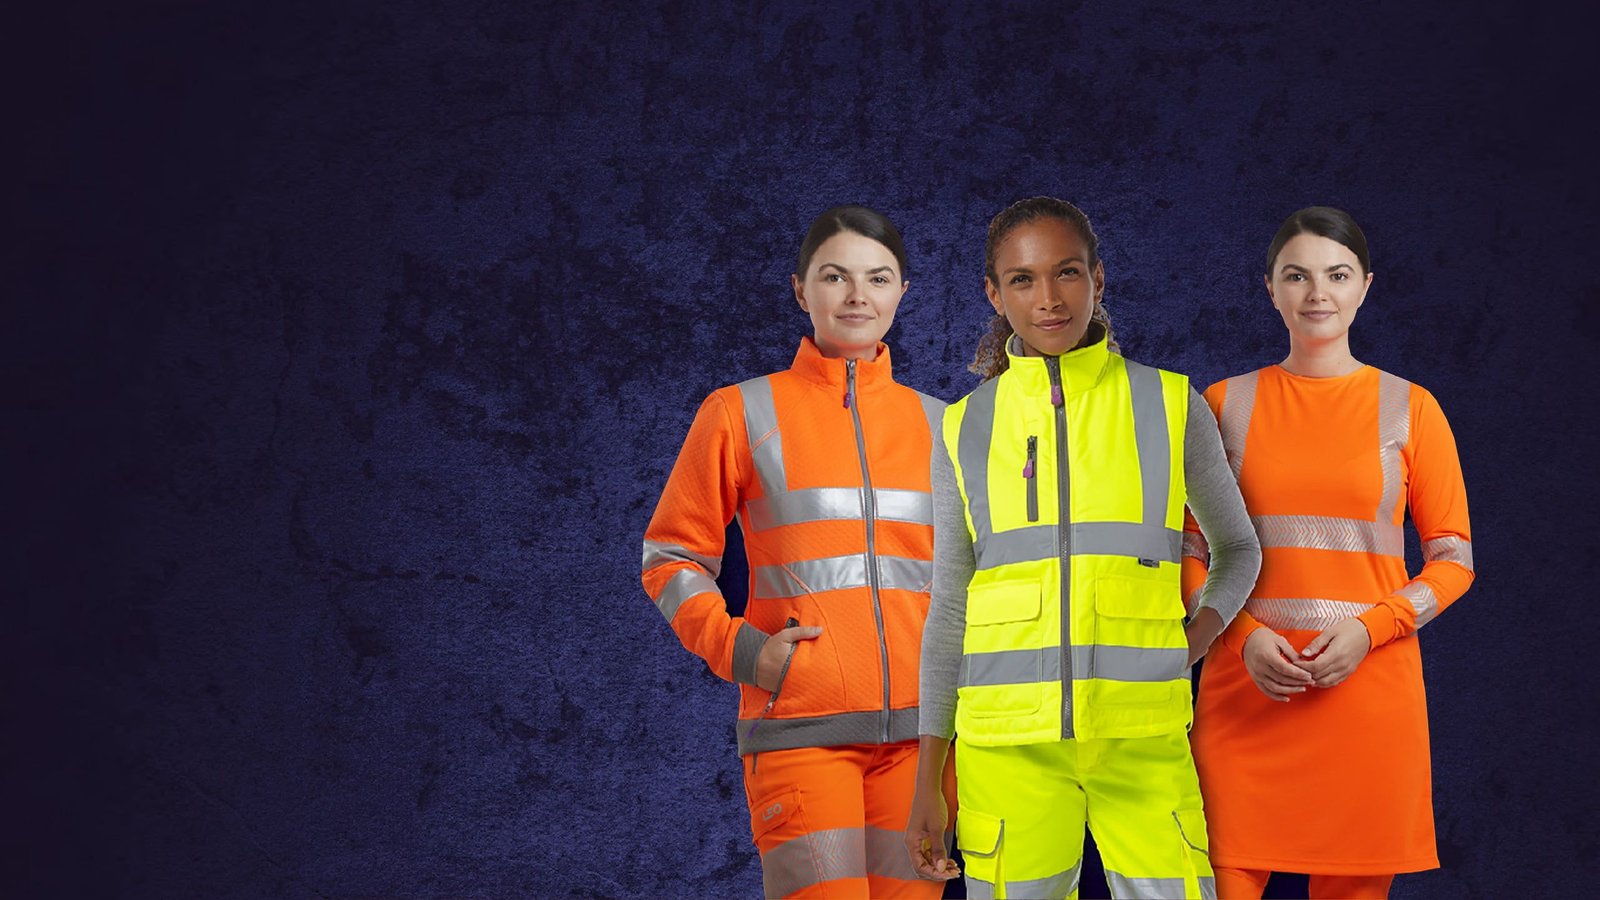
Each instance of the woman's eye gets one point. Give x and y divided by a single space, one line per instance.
1341 276
1019 279
879 280
833 277
1069 272
1296 276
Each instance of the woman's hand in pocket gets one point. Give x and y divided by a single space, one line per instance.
769 662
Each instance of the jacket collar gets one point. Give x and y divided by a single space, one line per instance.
1081 369
810 364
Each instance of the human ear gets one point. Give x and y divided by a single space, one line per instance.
993 294
799 292
1099 279
1364 288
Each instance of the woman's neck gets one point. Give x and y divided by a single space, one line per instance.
1324 359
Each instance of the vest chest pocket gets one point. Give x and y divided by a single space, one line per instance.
1138 640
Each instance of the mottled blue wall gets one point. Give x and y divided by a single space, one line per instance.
350 346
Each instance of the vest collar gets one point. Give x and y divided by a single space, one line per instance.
810 364
1081 369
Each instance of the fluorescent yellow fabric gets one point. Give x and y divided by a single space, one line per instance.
1023 811
1118 427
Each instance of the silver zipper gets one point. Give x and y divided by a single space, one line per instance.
853 400
1058 399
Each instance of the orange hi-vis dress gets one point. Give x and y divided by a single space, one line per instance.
1336 781
826 467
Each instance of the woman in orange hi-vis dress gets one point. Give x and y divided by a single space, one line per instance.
1311 733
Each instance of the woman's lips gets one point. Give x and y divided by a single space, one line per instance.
1052 324
854 318
1318 315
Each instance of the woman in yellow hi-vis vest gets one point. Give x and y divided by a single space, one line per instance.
1056 648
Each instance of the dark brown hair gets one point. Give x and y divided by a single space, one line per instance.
1322 221
866 222
991 359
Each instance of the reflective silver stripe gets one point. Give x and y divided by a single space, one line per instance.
933 408
1037 542
1448 549
1330 533
1150 435
978 889
887 856
1208 887
1302 613
1192 601
904 506
1145 888
1058 885
1106 661
761 424
1234 422
836 573
972 451
680 587
659 553
808 505
864 727
1422 599
813 858
819 504
1195 546
1394 430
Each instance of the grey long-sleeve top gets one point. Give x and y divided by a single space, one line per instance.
1213 497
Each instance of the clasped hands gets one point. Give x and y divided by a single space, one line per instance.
1280 671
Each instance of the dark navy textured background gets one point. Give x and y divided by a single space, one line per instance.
350 345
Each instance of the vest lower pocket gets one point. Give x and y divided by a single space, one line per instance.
1139 655
1002 658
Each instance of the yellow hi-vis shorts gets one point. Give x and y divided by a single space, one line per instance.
1023 810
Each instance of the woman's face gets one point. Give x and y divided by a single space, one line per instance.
851 289
1317 285
1046 288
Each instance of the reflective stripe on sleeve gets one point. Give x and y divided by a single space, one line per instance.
1195 547
1394 431
1422 599
1234 422
761 425
1448 549
660 553
681 587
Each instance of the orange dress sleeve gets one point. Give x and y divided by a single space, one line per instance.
683 543
1437 497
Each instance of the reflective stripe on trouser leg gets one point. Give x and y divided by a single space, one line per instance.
1145 812
889 783
809 816
1020 825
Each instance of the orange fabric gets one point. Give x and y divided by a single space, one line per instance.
1249 884
1337 780
837 811
715 478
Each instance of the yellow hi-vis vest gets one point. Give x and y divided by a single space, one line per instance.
1071 470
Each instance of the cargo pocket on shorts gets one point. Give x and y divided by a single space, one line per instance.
981 837
788 864
1191 825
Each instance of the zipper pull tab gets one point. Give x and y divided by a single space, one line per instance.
846 398
1055 395
849 381
1033 451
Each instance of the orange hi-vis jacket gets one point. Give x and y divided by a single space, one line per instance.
826 467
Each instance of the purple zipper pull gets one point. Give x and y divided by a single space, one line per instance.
847 398
1055 395
1027 469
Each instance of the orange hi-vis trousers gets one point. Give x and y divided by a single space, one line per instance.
831 821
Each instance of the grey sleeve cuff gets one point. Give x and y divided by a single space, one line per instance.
747 644
953 565
1213 497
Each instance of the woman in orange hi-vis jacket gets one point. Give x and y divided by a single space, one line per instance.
825 466
1311 735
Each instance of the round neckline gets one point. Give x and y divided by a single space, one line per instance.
1320 379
